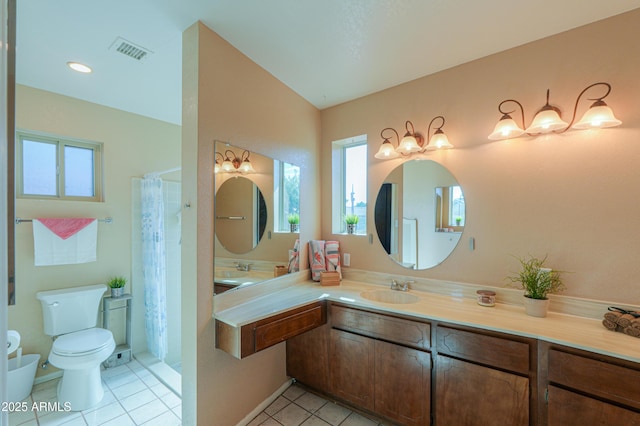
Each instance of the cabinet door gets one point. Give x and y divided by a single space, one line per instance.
402 384
570 408
308 358
470 394
351 368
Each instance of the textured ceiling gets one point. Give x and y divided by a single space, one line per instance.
328 51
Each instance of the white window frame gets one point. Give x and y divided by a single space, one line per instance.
338 177
60 144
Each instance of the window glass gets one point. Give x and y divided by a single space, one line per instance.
78 172
286 194
49 167
39 171
457 207
355 167
349 184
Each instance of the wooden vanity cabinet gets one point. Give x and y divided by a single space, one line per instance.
483 378
259 335
381 363
585 388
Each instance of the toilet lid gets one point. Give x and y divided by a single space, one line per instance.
81 342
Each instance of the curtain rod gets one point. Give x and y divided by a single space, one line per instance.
20 220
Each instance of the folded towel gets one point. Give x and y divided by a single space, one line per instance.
74 247
332 257
317 262
294 258
611 325
66 227
635 323
613 316
632 331
624 320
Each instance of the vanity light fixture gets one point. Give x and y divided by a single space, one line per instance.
387 151
218 166
412 142
439 140
547 119
232 163
77 66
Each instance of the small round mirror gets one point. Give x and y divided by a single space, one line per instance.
420 214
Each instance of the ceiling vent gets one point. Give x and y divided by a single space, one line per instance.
129 49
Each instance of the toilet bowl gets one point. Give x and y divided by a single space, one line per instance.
80 347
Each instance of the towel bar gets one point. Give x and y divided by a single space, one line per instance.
232 217
105 220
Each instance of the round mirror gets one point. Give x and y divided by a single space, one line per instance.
241 215
419 214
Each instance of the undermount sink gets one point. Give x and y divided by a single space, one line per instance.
390 296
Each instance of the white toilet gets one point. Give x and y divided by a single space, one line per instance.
71 315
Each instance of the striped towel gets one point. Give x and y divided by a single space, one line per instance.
317 262
294 257
332 256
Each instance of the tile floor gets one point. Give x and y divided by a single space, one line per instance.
132 396
297 407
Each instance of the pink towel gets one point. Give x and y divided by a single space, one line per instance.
317 262
294 257
332 256
66 227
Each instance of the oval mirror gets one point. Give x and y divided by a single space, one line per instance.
419 214
241 215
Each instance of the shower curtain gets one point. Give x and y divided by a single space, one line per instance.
154 265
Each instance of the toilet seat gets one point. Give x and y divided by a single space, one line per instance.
82 343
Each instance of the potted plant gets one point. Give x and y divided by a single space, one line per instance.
458 220
294 222
536 281
352 221
117 286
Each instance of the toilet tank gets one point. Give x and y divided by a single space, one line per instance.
70 309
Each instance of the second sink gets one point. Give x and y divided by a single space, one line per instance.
390 296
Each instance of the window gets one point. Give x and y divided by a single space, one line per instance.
349 183
53 168
286 194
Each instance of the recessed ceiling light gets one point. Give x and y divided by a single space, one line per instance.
77 66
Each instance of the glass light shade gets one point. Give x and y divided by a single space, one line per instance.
408 145
216 168
506 128
438 141
227 166
386 151
599 115
246 167
547 120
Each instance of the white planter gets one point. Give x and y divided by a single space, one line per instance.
536 307
351 228
294 227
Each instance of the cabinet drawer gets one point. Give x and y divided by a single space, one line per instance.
279 330
486 349
398 330
599 378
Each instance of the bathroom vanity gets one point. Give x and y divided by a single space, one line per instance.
445 360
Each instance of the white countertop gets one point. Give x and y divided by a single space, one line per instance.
570 330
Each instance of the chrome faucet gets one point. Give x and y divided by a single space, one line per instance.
400 286
243 266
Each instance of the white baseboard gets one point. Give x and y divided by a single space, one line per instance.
47 377
260 408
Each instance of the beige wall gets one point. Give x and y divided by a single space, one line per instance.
572 196
133 145
228 97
